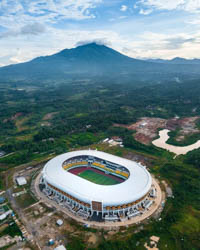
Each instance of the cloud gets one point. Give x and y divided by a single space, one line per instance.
33 29
178 42
194 22
29 29
17 58
192 6
122 17
101 41
163 4
123 8
145 12
18 12
62 9
166 46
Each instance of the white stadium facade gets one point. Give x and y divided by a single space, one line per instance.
61 181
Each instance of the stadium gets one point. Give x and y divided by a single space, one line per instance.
98 186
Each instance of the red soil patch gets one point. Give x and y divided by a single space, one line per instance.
146 128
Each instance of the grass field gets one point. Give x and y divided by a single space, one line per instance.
97 178
25 200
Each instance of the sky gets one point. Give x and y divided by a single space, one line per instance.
137 28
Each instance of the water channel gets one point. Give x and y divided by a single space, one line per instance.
178 150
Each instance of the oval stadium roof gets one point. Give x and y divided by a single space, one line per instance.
132 189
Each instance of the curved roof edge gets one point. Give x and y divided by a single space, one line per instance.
136 186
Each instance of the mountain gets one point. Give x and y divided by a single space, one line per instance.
93 61
176 60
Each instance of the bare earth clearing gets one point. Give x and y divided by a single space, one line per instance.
146 127
49 116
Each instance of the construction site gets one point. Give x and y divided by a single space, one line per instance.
146 128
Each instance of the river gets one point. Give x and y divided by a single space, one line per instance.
161 143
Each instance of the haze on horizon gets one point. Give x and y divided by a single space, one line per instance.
137 28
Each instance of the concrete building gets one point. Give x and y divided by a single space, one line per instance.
61 247
59 222
21 181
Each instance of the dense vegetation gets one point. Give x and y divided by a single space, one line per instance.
11 230
24 128
39 121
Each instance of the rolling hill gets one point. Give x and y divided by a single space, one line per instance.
176 60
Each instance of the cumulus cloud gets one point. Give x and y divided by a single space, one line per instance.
16 12
29 29
163 4
122 17
194 22
123 8
101 41
178 42
166 46
33 29
185 5
145 12
17 58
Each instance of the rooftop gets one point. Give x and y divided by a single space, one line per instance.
135 187
61 247
21 181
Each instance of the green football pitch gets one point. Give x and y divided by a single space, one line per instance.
97 178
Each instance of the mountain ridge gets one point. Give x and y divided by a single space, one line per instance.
175 60
94 61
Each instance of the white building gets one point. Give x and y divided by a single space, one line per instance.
59 222
61 247
21 181
4 215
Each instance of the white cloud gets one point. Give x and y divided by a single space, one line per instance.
101 41
29 29
145 12
17 58
73 9
186 5
122 17
160 45
123 8
163 4
18 12
194 21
